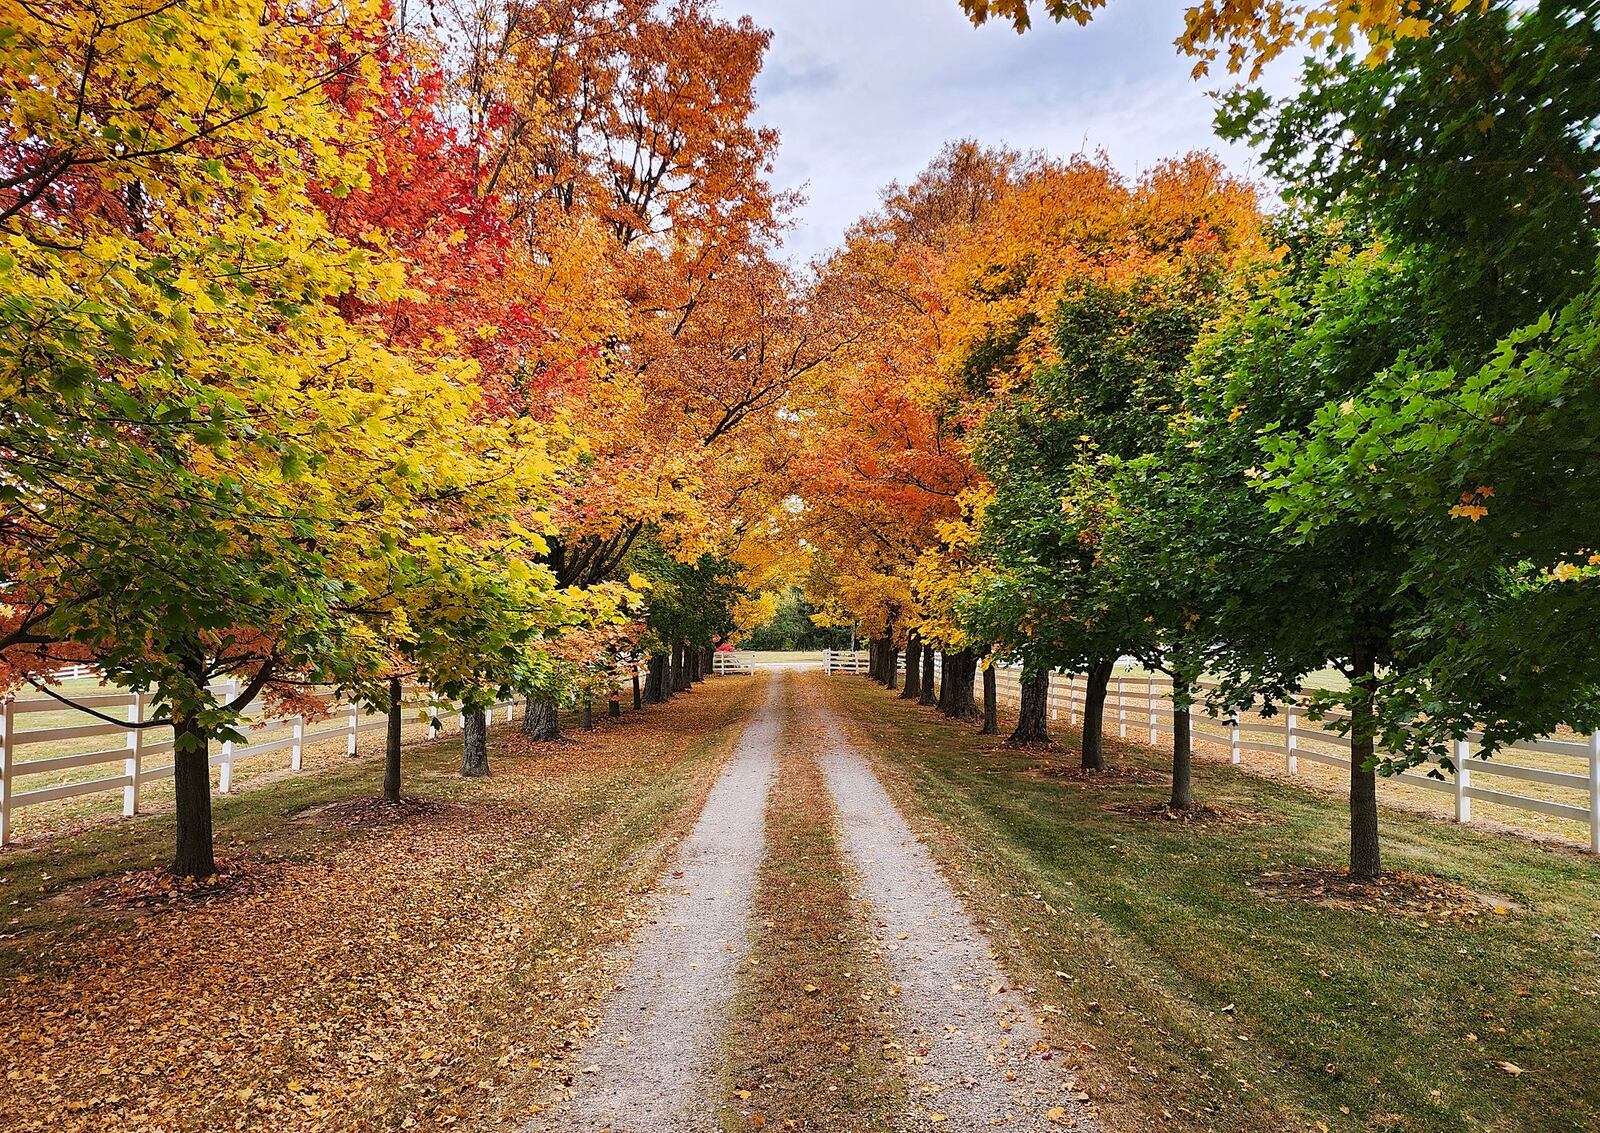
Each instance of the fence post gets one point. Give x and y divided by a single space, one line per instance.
133 766
1234 754
1594 792
1072 698
7 749
225 781
1122 714
1291 742
350 732
1155 739
1463 782
297 749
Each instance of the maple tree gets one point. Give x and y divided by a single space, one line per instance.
619 134
1373 460
217 458
884 462
1076 315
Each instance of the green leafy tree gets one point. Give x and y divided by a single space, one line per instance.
1475 158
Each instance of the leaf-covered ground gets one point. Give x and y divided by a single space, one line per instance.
1204 976
355 969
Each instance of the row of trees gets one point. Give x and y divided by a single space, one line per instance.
1146 419
338 353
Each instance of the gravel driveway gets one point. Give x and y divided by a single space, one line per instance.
975 1054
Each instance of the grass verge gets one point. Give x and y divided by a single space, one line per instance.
809 1046
1201 992
359 970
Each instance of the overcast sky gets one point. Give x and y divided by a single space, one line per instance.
866 91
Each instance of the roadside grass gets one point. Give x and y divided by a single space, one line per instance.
1196 1000
810 1045
358 969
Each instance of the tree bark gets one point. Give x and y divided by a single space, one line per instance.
655 679
391 744
614 705
638 696
586 713
945 681
1182 747
679 677
1366 859
1094 713
541 720
991 709
963 668
1033 715
474 742
709 660
191 784
891 665
693 656
911 688
926 694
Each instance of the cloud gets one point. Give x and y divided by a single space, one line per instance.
864 92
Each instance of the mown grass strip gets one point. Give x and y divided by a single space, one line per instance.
1197 1000
809 1047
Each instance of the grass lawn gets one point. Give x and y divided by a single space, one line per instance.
358 968
1195 999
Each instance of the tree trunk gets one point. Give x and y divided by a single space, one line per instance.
614 705
926 694
191 784
695 675
655 679
991 709
911 688
709 661
541 720
586 714
1094 713
474 742
1366 860
678 682
945 679
638 696
391 744
892 665
963 674
1182 747
1033 715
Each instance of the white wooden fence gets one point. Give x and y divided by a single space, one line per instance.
1140 707
145 755
848 661
732 662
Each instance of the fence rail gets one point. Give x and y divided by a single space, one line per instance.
1141 706
846 661
732 662
142 745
